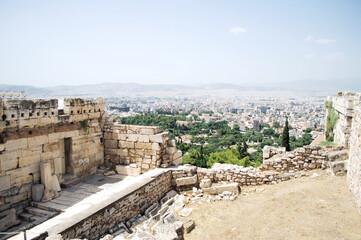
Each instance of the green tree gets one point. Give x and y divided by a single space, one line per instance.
276 125
242 149
286 136
229 156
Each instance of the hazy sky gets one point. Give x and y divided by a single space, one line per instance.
45 43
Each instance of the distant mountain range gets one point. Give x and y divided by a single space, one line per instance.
125 89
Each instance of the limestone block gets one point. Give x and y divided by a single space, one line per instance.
29 160
172 143
147 160
125 144
147 131
46 178
55 182
145 166
44 121
39 140
177 161
9 220
178 154
187 181
143 145
111 144
127 170
188 226
136 153
205 183
155 146
45 173
171 150
122 152
56 136
37 192
8 162
132 137
31 151
143 138
158 138
2 147
233 188
4 183
15 144
71 134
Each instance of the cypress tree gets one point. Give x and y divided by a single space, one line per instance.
286 136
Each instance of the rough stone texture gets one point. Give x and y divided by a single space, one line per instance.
33 131
354 164
343 104
269 151
347 132
145 146
307 157
189 226
127 170
9 220
186 181
98 223
232 187
37 192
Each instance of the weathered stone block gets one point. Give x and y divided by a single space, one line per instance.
171 150
9 220
38 140
205 183
111 144
186 181
233 188
143 145
15 144
37 192
4 183
127 170
158 138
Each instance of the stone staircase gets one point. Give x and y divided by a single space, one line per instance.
37 214
31 216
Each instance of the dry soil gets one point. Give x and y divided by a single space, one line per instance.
304 208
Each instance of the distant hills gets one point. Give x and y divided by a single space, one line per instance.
126 89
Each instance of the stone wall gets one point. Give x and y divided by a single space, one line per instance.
354 165
123 209
305 158
280 167
140 147
343 105
347 132
36 131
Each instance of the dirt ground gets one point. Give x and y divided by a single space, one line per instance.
304 208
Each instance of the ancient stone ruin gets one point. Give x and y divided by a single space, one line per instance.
44 150
347 132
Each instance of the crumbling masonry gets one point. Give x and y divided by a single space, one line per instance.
42 146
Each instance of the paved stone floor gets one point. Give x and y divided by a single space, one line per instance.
91 190
89 186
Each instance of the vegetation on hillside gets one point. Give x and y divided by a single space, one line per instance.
217 142
331 120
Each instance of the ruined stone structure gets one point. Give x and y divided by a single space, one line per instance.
138 149
42 144
343 105
36 131
348 133
280 167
